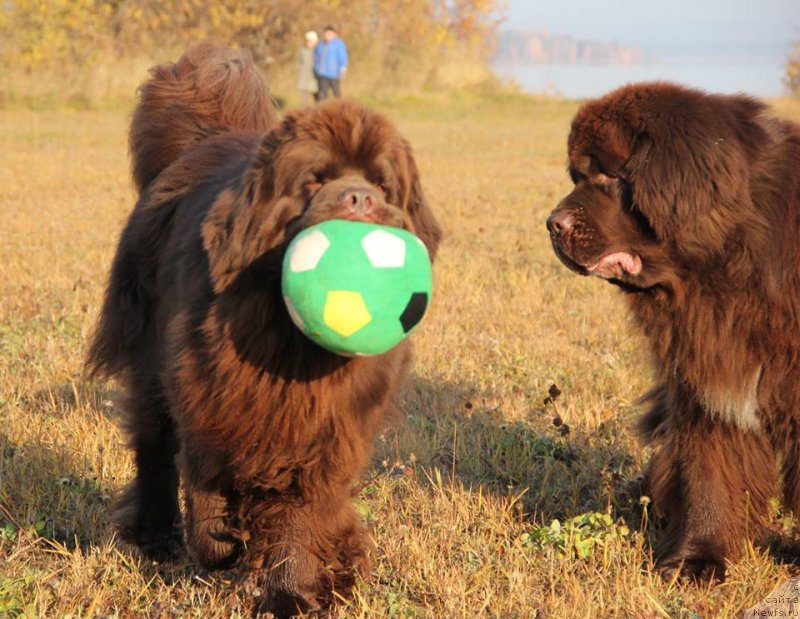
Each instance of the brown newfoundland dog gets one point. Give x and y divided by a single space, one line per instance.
690 204
265 430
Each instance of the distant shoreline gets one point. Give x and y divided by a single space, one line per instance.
579 81
547 48
706 61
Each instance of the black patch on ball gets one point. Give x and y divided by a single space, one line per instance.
414 311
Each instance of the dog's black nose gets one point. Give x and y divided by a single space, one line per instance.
560 222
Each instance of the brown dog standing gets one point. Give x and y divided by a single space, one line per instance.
690 204
265 430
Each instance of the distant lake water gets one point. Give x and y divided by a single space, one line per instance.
581 81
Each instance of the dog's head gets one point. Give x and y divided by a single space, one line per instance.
336 161
661 180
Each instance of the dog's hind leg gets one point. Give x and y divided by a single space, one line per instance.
147 514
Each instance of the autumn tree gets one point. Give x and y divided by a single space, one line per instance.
38 33
391 41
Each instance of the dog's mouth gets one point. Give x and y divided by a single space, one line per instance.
616 265
568 262
383 214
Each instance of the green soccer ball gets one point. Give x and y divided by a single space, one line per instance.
356 288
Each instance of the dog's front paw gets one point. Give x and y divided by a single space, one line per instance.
158 538
279 599
696 566
158 545
209 537
283 604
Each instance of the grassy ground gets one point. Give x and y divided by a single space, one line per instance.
456 497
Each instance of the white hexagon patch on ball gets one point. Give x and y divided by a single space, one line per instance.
384 250
308 251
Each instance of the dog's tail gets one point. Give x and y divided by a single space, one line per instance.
211 89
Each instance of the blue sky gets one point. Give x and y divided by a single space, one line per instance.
672 28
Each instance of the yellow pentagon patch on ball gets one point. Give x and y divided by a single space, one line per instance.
345 312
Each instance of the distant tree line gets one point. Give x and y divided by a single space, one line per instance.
408 39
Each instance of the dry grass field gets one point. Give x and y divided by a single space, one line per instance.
460 498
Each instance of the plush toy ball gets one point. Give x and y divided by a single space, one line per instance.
356 288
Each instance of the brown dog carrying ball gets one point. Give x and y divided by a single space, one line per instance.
265 430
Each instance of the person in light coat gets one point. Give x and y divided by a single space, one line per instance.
306 77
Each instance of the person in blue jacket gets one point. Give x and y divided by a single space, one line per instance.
330 63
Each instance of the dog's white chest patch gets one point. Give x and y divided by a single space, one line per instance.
736 405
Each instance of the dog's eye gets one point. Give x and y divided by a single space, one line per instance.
603 180
313 187
625 194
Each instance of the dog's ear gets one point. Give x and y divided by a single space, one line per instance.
248 219
607 161
228 235
282 134
693 184
425 224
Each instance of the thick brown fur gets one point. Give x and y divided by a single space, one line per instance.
265 430
690 203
